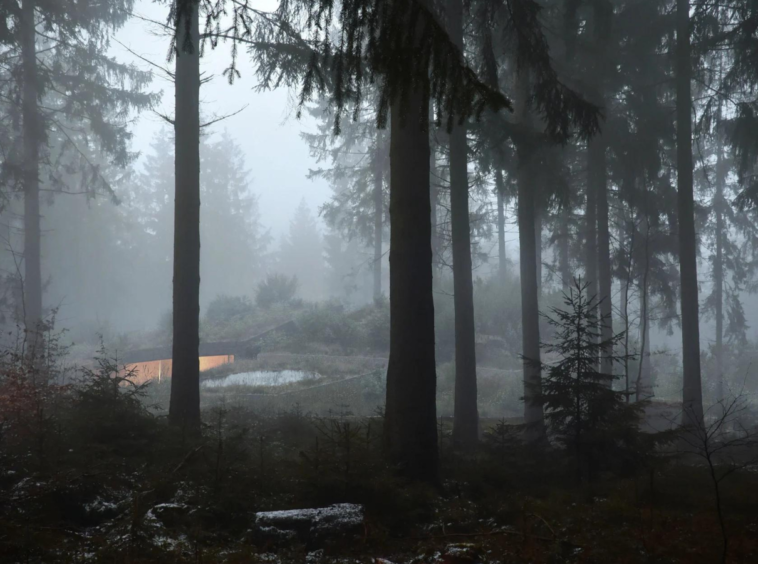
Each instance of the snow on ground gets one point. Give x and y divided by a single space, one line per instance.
261 378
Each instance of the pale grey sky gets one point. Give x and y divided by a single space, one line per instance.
267 130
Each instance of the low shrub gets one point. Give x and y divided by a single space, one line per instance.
225 308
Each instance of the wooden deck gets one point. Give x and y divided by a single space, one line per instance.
156 364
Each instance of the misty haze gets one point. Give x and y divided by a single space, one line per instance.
379 281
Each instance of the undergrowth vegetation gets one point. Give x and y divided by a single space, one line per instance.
90 473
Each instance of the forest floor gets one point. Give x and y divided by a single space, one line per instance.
137 492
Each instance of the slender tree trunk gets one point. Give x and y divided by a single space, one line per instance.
644 388
501 251
32 137
605 281
590 221
184 410
491 75
718 267
410 424
626 235
598 179
538 245
692 396
590 217
530 314
643 385
378 213
564 264
465 410
434 199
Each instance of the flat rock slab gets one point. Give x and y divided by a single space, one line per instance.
310 524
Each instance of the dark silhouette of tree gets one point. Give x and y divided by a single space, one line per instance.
184 408
466 412
692 396
589 418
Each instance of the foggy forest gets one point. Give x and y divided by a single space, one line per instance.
379 281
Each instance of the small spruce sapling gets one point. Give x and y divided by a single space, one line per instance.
584 413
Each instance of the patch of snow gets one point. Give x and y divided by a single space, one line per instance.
261 378
335 519
99 505
314 557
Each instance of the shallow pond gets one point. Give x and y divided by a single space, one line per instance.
261 378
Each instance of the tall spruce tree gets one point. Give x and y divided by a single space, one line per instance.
692 395
63 83
184 408
466 412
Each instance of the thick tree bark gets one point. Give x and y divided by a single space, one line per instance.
184 410
530 314
692 396
32 137
410 424
502 257
465 410
379 160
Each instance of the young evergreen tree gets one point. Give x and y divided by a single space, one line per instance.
591 420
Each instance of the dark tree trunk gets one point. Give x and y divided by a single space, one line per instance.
410 424
501 252
644 385
491 74
594 174
530 314
598 183
605 281
184 410
718 266
32 137
564 263
465 410
379 160
538 244
590 218
434 199
692 396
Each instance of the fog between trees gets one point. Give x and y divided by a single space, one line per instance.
525 226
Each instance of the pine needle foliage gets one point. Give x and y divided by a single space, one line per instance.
561 109
585 414
339 48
